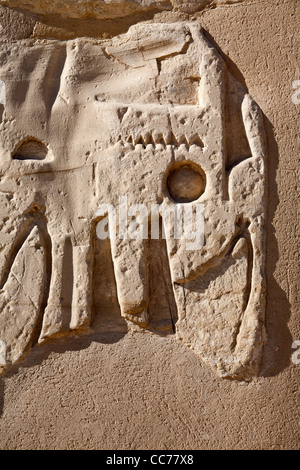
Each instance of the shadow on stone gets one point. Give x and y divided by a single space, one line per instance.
277 351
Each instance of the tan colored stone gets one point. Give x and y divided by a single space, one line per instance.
111 123
110 8
110 388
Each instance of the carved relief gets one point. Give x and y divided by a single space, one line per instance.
153 115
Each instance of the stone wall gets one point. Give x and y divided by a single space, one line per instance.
149 342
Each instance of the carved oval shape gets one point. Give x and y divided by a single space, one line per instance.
30 149
186 182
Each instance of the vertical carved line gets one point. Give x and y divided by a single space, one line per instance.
165 283
246 235
165 262
47 245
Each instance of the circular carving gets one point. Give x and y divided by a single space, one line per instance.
186 182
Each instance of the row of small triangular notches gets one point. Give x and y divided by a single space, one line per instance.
161 140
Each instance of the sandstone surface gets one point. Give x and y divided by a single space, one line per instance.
149 170
111 8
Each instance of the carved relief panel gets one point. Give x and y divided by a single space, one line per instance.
151 119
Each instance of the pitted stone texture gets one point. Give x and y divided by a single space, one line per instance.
92 123
110 8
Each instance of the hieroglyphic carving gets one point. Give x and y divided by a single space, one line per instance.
153 115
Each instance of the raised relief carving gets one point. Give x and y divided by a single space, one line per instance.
149 119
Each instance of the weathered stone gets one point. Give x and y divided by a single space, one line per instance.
114 384
109 8
137 123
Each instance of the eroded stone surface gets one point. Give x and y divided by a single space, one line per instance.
86 123
110 8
